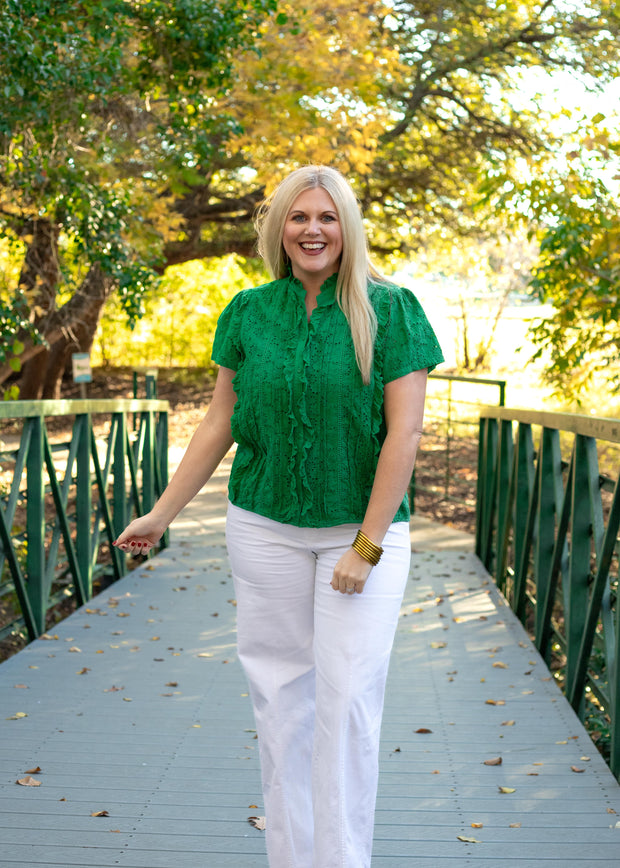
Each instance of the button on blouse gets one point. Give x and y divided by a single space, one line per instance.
308 431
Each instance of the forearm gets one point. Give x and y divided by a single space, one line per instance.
392 479
208 446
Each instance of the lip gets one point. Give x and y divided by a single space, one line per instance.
317 247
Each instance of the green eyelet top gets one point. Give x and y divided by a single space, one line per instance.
309 432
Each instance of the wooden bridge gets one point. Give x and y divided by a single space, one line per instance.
131 732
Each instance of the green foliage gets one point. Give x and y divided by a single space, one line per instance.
105 115
180 317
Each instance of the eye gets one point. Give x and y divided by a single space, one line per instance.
328 218
298 218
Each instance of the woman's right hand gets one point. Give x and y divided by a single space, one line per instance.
141 535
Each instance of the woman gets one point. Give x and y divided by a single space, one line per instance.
321 384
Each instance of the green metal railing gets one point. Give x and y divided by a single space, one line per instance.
63 502
547 529
451 419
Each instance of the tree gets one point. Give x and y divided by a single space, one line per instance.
94 91
570 205
412 101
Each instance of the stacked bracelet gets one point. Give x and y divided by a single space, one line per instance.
365 547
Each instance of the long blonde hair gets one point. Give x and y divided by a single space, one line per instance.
355 267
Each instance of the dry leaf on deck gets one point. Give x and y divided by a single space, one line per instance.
495 761
100 814
35 771
423 729
495 702
467 840
18 715
28 782
257 822
507 789
576 769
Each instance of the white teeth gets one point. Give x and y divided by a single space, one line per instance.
309 246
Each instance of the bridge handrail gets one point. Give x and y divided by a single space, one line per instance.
57 510
547 529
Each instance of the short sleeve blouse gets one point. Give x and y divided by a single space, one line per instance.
308 430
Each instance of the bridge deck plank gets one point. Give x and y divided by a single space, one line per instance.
138 707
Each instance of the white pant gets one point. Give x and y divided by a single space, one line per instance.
316 662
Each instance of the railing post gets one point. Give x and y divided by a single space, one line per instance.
148 462
35 523
576 598
119 483
504 481
83 506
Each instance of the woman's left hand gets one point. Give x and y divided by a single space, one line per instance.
350 573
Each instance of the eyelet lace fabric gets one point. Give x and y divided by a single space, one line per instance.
308 431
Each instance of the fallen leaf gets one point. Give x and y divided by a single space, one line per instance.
499 665
75 650
100 814
83 671
508 723
172 683
495 761
21 686
204 654
584 759
507 789
467 840
495 702
438 644
28 782
576 769
477 825
257 822
18 715
35 771
423 729
126 699
514 826
610 811
47 636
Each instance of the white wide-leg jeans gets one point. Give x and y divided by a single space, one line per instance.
316 663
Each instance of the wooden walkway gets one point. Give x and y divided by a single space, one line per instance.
136 712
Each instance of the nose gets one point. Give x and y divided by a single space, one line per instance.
313 227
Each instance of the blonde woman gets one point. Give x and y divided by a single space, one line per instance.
321 384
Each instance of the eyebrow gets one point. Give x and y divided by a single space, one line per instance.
301 211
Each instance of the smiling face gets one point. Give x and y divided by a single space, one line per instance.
312 236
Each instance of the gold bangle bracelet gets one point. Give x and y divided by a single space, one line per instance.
365 547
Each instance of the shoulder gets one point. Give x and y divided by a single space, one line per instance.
389 299
256 294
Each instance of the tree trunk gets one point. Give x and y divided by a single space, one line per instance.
39 281
72 327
